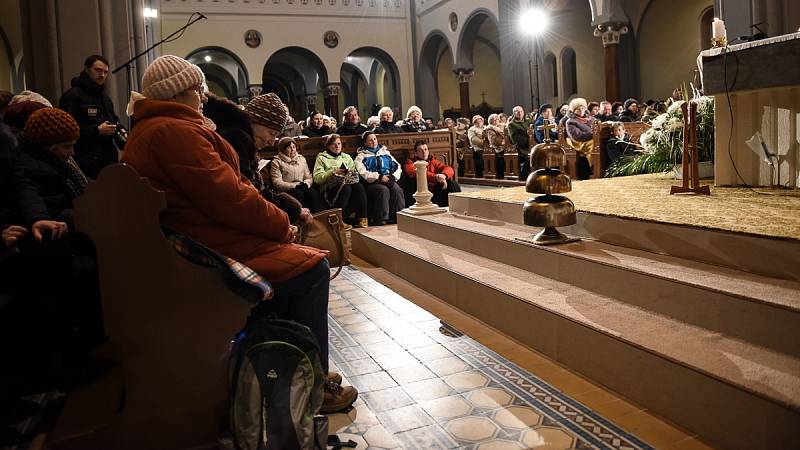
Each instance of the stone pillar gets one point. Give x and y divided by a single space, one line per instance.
423 196
464 77
610 33
255 90
332 99
311 101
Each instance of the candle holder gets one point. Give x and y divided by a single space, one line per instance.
719 42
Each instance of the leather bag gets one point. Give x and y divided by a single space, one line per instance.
327 232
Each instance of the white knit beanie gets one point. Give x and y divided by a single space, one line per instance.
30 96
576 102
168 76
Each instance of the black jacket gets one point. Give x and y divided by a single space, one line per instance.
628 116
348 129
88 103
387 127
618 147
49 181
20 203
316 132
415 127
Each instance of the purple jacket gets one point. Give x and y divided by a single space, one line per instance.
579 130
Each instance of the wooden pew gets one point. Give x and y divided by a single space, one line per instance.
172 322
601 131
440 143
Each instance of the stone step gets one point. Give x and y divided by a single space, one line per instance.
736 394
754 308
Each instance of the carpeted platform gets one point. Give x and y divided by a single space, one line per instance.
765 212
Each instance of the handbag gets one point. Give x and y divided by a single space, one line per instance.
326 232
338 182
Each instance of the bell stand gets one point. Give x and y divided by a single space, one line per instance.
691 182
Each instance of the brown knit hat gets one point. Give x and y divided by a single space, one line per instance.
268 110
284 142
49 126
168 76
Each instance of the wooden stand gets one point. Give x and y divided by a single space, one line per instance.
690 153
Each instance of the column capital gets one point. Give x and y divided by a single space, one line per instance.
332 89
464 76
610 32
311 99
255 90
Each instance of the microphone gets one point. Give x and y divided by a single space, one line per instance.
202 16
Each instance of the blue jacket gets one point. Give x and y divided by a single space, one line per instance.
375 163
539 134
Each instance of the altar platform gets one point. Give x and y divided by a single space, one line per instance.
688 306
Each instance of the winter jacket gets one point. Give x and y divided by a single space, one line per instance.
629 116
435 167
285 172
208 199
88 103
616 147
579 129
539 134
20 203
387 127
233 125
496 138
414 127
518 134
326 164
475 135
375 163
316 132
348 129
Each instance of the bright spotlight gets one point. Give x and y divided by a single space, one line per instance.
349 59
207 58
534 21
150 13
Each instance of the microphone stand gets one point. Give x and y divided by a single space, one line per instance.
129 65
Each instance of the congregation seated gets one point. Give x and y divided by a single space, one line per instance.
209 201
630 111
413 122
336 176
315 125
386 124
579 137
351 123
545 115
441 177
605 114
379 172
289 173
495 138
476 141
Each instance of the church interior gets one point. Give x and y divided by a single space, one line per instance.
400 224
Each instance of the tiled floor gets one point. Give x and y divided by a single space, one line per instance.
424 385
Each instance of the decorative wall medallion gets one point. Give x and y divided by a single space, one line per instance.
331 39
252 38
453 21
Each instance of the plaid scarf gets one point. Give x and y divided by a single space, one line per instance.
72 175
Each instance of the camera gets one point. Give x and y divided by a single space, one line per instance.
120 136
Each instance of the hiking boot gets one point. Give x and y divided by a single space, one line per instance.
362 223
334 377
337 397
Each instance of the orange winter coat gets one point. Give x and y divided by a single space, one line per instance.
435 167
207 197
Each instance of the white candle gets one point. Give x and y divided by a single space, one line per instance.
718 29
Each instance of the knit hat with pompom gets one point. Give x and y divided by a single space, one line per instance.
49 126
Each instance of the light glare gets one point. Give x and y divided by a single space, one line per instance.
150 13
534 22
207 58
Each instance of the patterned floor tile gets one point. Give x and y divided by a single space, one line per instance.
425 385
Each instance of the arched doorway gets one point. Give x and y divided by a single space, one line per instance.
298 77
225 73
435 49
478 50
370 80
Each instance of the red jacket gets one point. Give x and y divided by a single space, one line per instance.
207 197
435 167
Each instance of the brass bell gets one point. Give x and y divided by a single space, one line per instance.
549 211
548 155
548 181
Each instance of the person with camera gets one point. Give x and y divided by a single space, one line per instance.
336 175
88 103
379 172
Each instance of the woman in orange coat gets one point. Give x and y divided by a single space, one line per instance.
210 201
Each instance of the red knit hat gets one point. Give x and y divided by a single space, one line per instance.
50 126
17 114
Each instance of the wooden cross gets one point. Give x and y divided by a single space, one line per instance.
546 127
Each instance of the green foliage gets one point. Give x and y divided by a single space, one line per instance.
663 142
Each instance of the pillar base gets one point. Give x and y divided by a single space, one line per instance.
424 210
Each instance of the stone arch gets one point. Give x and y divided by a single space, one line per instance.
378 72
427 80
224 69
469 34
569 73
299 75
704 21
478 50
550 78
